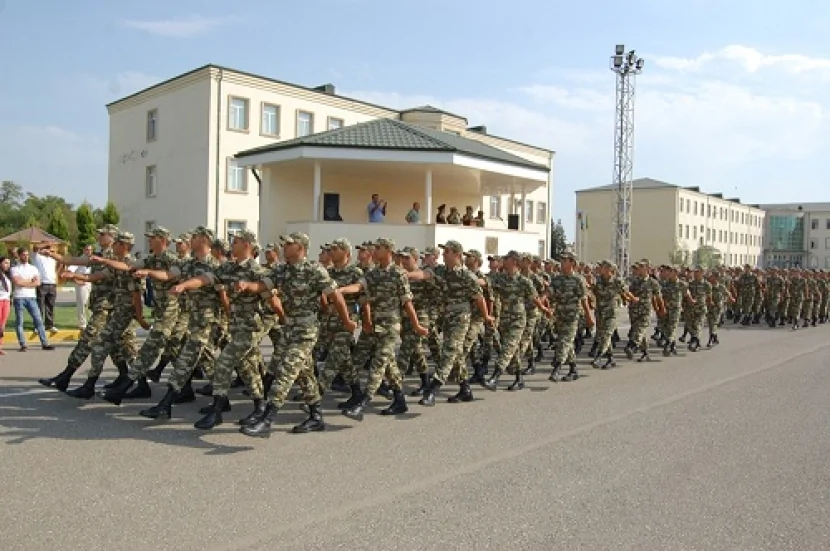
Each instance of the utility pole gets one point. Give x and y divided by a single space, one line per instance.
626 66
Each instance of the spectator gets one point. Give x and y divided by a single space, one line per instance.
480 219
82 289
414 214
5 297
26 280
47 268
454 217
441 217
376 209
467 219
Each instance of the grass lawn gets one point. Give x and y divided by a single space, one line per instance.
65 318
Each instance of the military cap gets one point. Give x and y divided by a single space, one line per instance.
341 243
494 257
296 237
568 256
644 262
185 237
366 245
537 258
109 229
158 231
247 236
431 250
409 251
125 237
697 268
271 247
221 244
513 254
325 246
474 253
452 245
384 242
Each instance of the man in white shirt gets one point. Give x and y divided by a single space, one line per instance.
82 290
26 279
48 291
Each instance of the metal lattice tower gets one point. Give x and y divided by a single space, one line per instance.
626 66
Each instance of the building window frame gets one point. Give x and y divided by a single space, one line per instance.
495 213
297 117
152 123
233 113
541 212
527 211
813 224
277 116
230 177
340 123
230 232
151 181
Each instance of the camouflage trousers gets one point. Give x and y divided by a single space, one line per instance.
453 331
166 315
384 365
98 320
294 362
566 328
757 303
475 330
511 329
713 315
825 305
745 302
178 335
639 326
807 308
773 301
436 320
795 308
668 323
491 339
339 359
198 348
364 349
529 335
697 316
412 345
606 325
107 344
241 354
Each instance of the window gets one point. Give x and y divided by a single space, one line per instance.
827 224
152 124
694 232
238 114
495 207
233 227
148 227
680 231
827 242
528 211
687 231
237 180
708 234
270 125
814 224
681 205
813 244
334 123
688 206
305 123
827 262
150 184
695 208
542 251
541 212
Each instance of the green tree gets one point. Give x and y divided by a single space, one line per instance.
110 214
85 220
680 255
57 225
11 194
558 240
31 222
707 256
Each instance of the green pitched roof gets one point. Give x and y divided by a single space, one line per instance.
393 135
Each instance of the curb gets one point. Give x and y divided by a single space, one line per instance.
65 336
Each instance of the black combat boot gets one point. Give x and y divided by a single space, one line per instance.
356 411
164 408
86 391
338 384
615 338
385 390
579 342
644 357
593 352
61 380
206 390
595 363
540 353
262 427
711 340
429 394
715 340
123 368
609 361
398 405
493 383
683 336
155 373
531 367
207 409
314 422
354 399
518 383
478 374
186 394
424 385
117 393
694 344
629 350
746 320
554 375
213 417
667 349
465 394
756 319
139 391
254 416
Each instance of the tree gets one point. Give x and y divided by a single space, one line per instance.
110 214
11 194
31 222
558 240
85 220
57 225
707 256
680 255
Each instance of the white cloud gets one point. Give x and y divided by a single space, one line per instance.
184 27
750 59
113 87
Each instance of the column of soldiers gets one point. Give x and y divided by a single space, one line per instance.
215 303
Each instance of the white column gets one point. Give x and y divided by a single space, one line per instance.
511 207
427 216
317 192
523 213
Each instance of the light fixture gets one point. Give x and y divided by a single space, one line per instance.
640 63
618 61
619 50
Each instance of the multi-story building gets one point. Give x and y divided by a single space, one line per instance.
797 235
172 150
665 219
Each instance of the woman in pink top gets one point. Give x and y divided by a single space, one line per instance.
5 297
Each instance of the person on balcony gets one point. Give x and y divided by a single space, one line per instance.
468 217
454 217
414 214
479 219
376 209
441 217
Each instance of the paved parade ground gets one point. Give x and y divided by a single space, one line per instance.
722 449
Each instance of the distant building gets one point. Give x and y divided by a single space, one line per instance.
666 218
797 235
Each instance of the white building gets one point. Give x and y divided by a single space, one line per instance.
666 218
172 149
797 235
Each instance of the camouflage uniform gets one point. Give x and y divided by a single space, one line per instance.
644 288
365 346
673 291
608 291
798 287
411 353
701 292
567 293
475 329
720 294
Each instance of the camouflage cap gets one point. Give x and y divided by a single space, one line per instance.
366 245
568 256
125 237
512 254
452 245
158 231
271 247
537 258
185 237
525 256
109 229
431 250
341 243
474 254
246 235
409 251
221 244
325 246
384 242
644 262
202 231
697 268
296 237
493 258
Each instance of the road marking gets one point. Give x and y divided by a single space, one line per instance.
26 392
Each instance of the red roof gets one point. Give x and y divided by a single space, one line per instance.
31 235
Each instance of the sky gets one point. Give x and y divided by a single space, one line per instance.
732 98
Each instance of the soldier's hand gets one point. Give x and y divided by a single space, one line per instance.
367 328
490 320
634 300
350 326
177 289
141 274
144 324
421 330
66 274
589 322
95 259
243 286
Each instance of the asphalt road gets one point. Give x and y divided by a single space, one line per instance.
723 449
